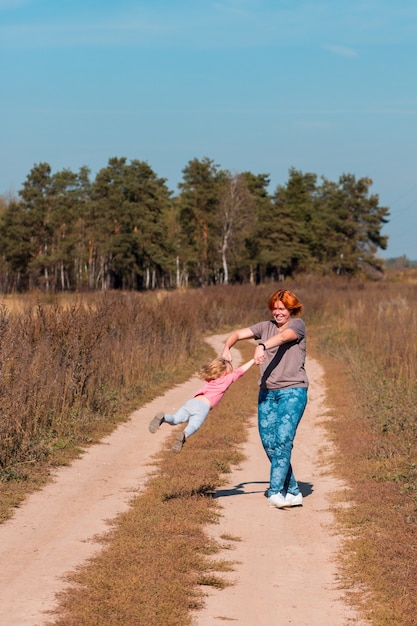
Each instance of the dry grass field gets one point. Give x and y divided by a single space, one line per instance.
72 369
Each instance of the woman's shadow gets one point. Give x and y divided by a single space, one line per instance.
249 488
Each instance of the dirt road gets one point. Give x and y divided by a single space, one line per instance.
285 570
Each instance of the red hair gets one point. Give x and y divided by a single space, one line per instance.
288 299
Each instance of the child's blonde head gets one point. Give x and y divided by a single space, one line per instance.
216 368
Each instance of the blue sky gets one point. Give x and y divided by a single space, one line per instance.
325 86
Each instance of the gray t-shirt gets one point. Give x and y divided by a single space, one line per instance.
284 366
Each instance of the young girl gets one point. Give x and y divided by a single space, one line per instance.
219 375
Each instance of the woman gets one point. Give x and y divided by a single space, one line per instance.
283 389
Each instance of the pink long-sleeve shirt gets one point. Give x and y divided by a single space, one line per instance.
214 390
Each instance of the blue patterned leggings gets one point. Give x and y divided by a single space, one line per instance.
279 413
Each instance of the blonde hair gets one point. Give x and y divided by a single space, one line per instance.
216 368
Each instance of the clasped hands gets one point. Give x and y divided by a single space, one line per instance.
259 356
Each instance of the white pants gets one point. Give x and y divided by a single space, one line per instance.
194 412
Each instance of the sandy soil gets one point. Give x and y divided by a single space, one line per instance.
285 569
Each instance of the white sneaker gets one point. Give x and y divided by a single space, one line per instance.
278 500
292 500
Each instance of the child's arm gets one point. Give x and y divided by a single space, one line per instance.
247 365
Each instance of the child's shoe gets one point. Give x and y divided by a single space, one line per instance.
179 442
155 422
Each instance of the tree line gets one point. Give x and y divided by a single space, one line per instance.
127 230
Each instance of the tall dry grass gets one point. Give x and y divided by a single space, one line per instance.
367 337
69 370
70 367
64 368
